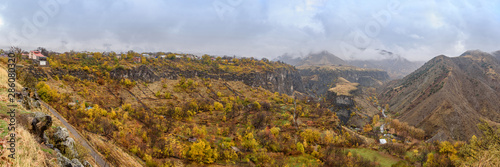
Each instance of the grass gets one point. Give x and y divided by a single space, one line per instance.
4 127
303 160
384 160
28 152
344 87
47 150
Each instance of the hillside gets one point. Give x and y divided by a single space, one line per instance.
29 151
447 96
183 111
188 111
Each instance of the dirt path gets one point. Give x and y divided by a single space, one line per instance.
97 157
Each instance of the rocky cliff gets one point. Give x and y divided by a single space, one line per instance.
282 80
318 79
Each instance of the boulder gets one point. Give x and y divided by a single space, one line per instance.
65 162
76 162
63 142
36 123
61 134
86 163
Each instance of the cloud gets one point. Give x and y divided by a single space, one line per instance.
415 36
419 30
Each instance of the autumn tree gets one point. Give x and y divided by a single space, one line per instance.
367 128
375 119
201 152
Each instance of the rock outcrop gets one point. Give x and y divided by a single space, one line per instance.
65 162
36 123
64 143
342 105
317 80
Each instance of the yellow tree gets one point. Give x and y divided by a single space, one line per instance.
367 128
375 119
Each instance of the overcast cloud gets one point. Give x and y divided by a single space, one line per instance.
417 30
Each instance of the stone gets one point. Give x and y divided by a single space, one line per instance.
76 162
65 162
37 123
236 149
61 134
69 144
63 142
45 139
86 163
192 139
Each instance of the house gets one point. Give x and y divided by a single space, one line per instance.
147 56
34 54
25 55
137 59
191 56
162 56
38 57
119 56
90 55
178 56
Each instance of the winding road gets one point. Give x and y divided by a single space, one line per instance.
97 157
382 127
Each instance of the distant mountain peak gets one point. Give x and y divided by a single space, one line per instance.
475 53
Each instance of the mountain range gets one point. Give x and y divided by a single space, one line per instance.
449 96
396 66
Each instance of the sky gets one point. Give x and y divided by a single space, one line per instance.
416 30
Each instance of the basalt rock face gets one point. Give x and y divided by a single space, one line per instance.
318 80
280 80
143 73
342 105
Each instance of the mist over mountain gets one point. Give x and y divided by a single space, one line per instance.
313 59
497 54
395 65
448 96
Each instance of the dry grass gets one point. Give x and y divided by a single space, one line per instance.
114 152
344 87
28 151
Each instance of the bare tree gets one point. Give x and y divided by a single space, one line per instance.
18 52
44 51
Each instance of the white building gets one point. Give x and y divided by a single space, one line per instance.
38 57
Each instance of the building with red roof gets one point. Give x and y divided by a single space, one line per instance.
38 57
35 54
